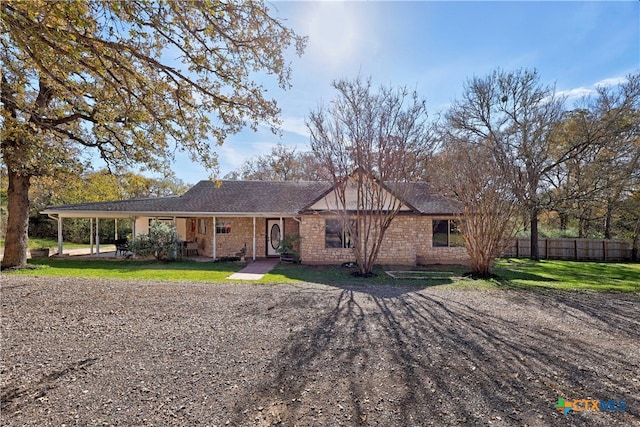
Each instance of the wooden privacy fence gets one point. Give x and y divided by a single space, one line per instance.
576 249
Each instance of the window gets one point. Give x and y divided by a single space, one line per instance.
222 228
162 220
202 226
446 233
335 236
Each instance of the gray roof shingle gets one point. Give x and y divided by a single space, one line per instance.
252 197
222 197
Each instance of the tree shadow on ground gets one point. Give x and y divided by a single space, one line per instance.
447 357
382 284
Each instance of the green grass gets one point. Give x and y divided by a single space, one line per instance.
341 276
132 269
509 274
36 243
569 275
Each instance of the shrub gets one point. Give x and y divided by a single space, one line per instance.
161 242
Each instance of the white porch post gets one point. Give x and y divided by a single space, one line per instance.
59 235
115 221
97 236
91 235
254 238
133 230
175 237
213 239
281 230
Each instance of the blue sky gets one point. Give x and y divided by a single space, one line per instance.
434 47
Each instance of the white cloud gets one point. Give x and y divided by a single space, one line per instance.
578 92
611 81
295 125
233 154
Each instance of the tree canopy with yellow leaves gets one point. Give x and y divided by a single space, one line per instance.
132 81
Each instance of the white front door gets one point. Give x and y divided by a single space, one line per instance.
274 235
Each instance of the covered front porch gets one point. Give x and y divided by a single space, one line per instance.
227 236
209 237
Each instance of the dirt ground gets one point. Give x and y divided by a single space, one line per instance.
99 352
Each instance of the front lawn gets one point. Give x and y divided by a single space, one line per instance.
509 273
36 243
132 269
569 275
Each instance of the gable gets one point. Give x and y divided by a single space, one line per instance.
329 201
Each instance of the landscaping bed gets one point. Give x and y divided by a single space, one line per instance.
80 351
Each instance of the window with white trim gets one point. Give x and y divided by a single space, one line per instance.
222 227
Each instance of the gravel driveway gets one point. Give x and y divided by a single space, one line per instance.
100 352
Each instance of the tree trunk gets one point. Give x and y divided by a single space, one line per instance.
636 241
535 251
564 220
607 220
17 238
582 226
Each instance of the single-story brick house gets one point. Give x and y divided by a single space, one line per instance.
222 217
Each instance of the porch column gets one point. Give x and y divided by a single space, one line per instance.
133 231
213 231
254 238
91 235
115 227
281 230
175 237
97 236
59 235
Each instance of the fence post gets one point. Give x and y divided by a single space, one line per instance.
575 248
546 248
517 248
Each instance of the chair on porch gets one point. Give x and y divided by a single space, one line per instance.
191 248
122 246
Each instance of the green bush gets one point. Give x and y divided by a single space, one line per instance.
161 242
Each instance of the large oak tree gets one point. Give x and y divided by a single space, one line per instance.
594 182
132 81
513 114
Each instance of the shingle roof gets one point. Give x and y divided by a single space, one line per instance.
421 197
285 197
221 197
251 197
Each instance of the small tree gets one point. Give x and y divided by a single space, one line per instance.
368 144
289 248
471 175
161 242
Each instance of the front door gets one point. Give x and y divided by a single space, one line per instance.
274 235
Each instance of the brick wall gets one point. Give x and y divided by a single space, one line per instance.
407 242
312 250
427 254
228 244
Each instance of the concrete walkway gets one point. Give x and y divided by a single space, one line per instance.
256 270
